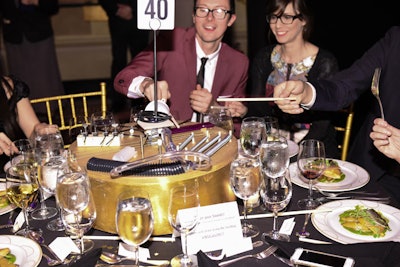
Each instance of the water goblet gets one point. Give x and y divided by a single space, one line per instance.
134 219
48 143
183 197
252 134
22 190
310 164
221 117
271 126
77 224
276 194
274 156
245 181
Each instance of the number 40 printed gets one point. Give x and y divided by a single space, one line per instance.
156 14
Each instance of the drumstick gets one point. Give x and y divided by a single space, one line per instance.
252 99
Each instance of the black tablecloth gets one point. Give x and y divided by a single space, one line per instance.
167 250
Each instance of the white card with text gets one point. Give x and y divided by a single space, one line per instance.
219 228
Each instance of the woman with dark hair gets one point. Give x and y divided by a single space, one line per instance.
17 117
292 57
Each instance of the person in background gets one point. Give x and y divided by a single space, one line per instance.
29 44
292 57
347 86
17 117
179 54
125 36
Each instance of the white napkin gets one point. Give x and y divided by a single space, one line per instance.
125 154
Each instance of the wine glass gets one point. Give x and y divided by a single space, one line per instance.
271 126
183 197
252 134
73 195
276 194
101 121
220 116
311 164
134 219
21 150
48 143
245 181
22 190
77 224
274 156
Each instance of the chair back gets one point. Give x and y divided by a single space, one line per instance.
343 127
62 108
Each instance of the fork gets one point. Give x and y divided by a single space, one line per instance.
261 255
375 89
348 193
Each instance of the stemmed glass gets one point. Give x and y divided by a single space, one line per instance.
22 190
252 134
183 197
245 181
77 224
73 195
271 126
48 143
79 125
274 156
311 164
276 194
134 219
22 151
220 116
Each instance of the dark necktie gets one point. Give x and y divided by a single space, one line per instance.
200 80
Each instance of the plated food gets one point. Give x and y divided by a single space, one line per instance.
355 177
7 259
333 173
5 205
365 221
330 225
26 251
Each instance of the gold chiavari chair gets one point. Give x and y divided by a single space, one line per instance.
344 130
62 109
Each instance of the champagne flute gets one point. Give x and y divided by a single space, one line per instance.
184 197
77 224
276 194
252 134
311 164
245 181
134 219
73 194
48 143
274 156
220 116
22 190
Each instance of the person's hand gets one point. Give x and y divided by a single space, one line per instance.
162 90
6 145
386 139
200 99
124 12
237 109
297 89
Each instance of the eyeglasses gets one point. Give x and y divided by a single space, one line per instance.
285 19
217 13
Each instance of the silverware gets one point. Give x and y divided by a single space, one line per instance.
347 193
375 89
383 200
261 255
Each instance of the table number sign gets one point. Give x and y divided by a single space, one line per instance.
156 14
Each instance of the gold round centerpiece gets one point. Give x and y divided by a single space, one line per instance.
213 184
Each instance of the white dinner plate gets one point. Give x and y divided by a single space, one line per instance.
293 148
356 177
8 208
28 253
328 223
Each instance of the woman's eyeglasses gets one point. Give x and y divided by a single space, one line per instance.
285 19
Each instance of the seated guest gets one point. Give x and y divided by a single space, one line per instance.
386 139
179 54
344 88
17 117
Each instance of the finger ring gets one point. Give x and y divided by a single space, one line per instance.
164 100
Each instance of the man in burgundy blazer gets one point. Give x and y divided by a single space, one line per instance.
178 62
345 87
